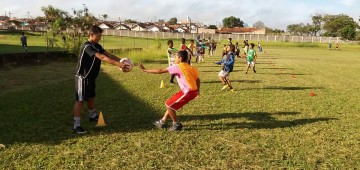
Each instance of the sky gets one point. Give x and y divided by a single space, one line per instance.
273 13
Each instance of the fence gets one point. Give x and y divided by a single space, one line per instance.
217 37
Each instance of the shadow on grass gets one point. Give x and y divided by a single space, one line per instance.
284 88
265 63
296 74
259 120
44 113
276 68
240 81
211 71
215 65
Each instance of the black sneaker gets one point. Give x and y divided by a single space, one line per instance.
176 127
93 119
159 124
254 71
79 130
96 118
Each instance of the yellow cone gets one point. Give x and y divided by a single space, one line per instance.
162 85
101 121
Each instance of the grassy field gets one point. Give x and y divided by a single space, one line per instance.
269 122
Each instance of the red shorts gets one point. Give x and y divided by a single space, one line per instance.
179 99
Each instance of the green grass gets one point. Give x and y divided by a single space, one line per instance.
10 42
269 122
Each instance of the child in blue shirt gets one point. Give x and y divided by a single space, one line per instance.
228 65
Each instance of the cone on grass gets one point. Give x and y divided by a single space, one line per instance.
101 121
312 94
162 85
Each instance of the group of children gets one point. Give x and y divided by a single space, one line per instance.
228 60
179 66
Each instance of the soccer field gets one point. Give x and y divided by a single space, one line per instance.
268 122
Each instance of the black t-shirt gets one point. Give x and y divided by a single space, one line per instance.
89 65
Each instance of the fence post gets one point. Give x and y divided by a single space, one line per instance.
302 38
292 38
258 37
275 38
337 39
267 38
312 39
163 35
250 38
320 39
244 36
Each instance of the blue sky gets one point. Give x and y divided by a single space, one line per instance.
274 13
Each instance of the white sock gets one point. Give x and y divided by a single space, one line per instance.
76 122
92 113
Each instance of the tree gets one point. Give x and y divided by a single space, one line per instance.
130 21
357 38
348 32
316 21
259 24
172 21
333 24
212 27
296 29
105 16
274 31
58 20
232 21
51 13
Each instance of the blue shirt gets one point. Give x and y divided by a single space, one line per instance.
228 62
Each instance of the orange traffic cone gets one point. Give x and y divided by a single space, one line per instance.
312 94
162 85
101 121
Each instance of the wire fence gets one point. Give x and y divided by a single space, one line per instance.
219 37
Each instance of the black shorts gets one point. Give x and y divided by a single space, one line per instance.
85 88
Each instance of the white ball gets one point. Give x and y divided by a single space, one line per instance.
128 64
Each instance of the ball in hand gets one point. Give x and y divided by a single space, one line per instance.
128 64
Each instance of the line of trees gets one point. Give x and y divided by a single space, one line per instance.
328 25
58 21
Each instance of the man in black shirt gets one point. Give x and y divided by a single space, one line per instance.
91 55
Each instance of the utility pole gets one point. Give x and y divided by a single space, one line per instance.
10 14
28 14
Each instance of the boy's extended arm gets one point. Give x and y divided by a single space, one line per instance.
154 71
109 60
113 57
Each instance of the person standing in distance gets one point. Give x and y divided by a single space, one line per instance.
23 41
